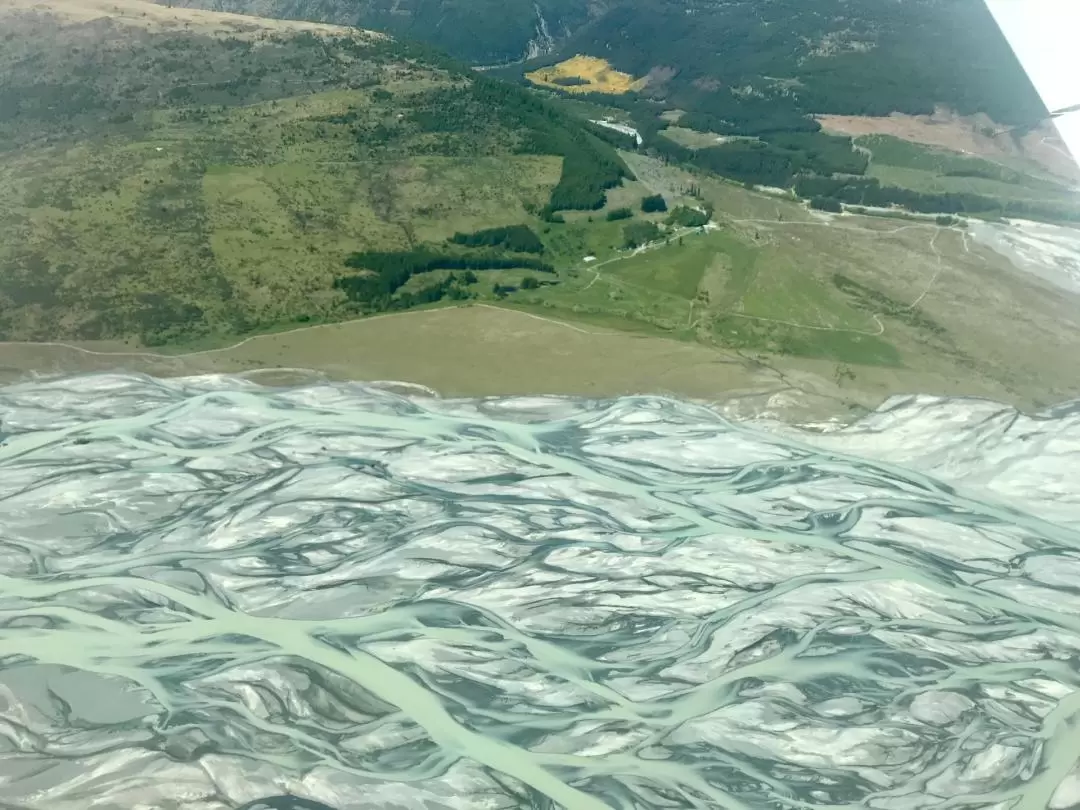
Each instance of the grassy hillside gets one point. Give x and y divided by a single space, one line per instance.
932 170
184 177
859 299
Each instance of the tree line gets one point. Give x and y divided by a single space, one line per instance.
385 272
620 140
684 217
830 192
637 234
514 238
773 162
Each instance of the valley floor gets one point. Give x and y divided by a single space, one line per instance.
486 350
773 309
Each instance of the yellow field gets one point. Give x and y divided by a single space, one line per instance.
597 74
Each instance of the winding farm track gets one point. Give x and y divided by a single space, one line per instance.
876 317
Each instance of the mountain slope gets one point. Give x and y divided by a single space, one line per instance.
481 32
171 175
827 56
855 57
183 178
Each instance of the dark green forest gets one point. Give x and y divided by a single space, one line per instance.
774 162
653 204
384 273
780 141
853 57
514 238
830 204
620 140
828 193
637 234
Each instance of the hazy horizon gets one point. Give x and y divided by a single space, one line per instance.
1043 34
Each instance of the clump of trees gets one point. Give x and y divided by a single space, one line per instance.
383 273
726 111
452 287
819 152
685 217
514 238
587 174
826 171
653 204
637 234
620 140
826 204
619 213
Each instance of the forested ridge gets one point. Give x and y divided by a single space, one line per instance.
857 57
776 161
853 57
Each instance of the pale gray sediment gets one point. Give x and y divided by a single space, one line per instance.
214 591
